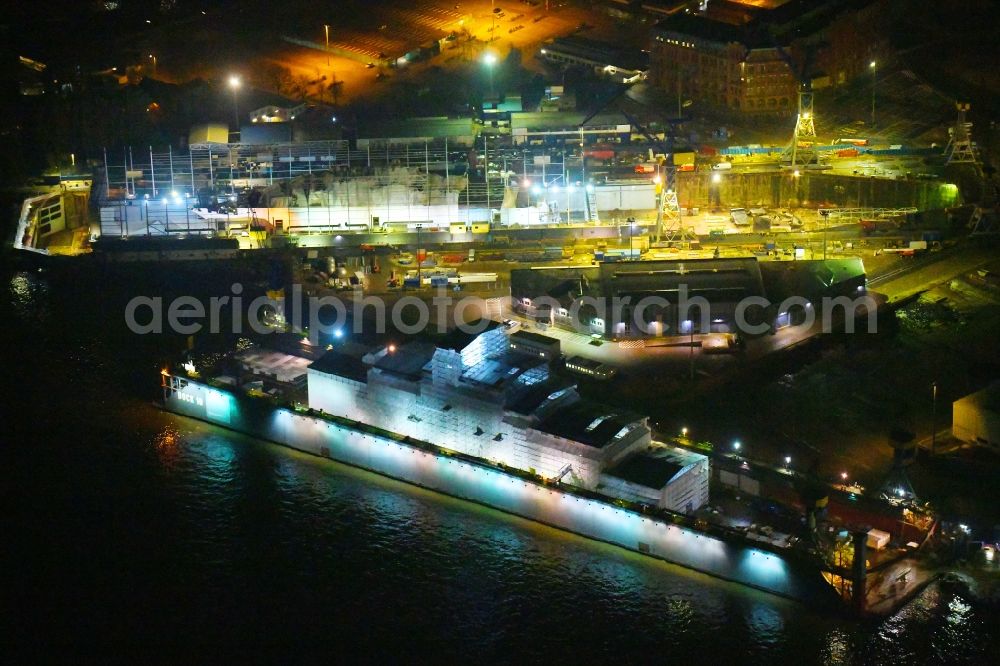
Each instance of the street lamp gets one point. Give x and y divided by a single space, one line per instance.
153 58
490 59
234 83
493 19
788 461
419 281
326 33
934 419
684 432
874 67
736 446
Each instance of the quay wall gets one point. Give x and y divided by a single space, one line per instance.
495 488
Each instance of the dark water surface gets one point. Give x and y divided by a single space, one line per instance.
131 525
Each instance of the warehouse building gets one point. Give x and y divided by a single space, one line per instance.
639 299
584 298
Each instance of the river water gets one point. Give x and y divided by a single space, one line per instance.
131 525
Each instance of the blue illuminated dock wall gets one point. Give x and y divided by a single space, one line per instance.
515 495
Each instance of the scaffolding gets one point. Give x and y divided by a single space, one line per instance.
155 175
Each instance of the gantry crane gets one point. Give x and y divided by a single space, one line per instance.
669 227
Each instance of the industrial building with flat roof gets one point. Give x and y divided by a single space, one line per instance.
535 344
609 60
664 297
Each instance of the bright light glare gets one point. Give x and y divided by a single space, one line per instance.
716 177
234 81
490 59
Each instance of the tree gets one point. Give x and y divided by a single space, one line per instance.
336 88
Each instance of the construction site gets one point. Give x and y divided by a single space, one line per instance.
605 178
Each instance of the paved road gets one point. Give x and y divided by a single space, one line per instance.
933 269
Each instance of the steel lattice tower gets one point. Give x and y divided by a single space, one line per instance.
805 128
960 149
669 227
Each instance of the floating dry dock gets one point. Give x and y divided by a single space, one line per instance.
721 553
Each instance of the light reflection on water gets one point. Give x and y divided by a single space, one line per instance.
156 523
496 575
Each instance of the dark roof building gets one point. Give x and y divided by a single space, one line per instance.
407 361
592 424
666 476
341 364
665 297
534 344
653 298
605 59
647 471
